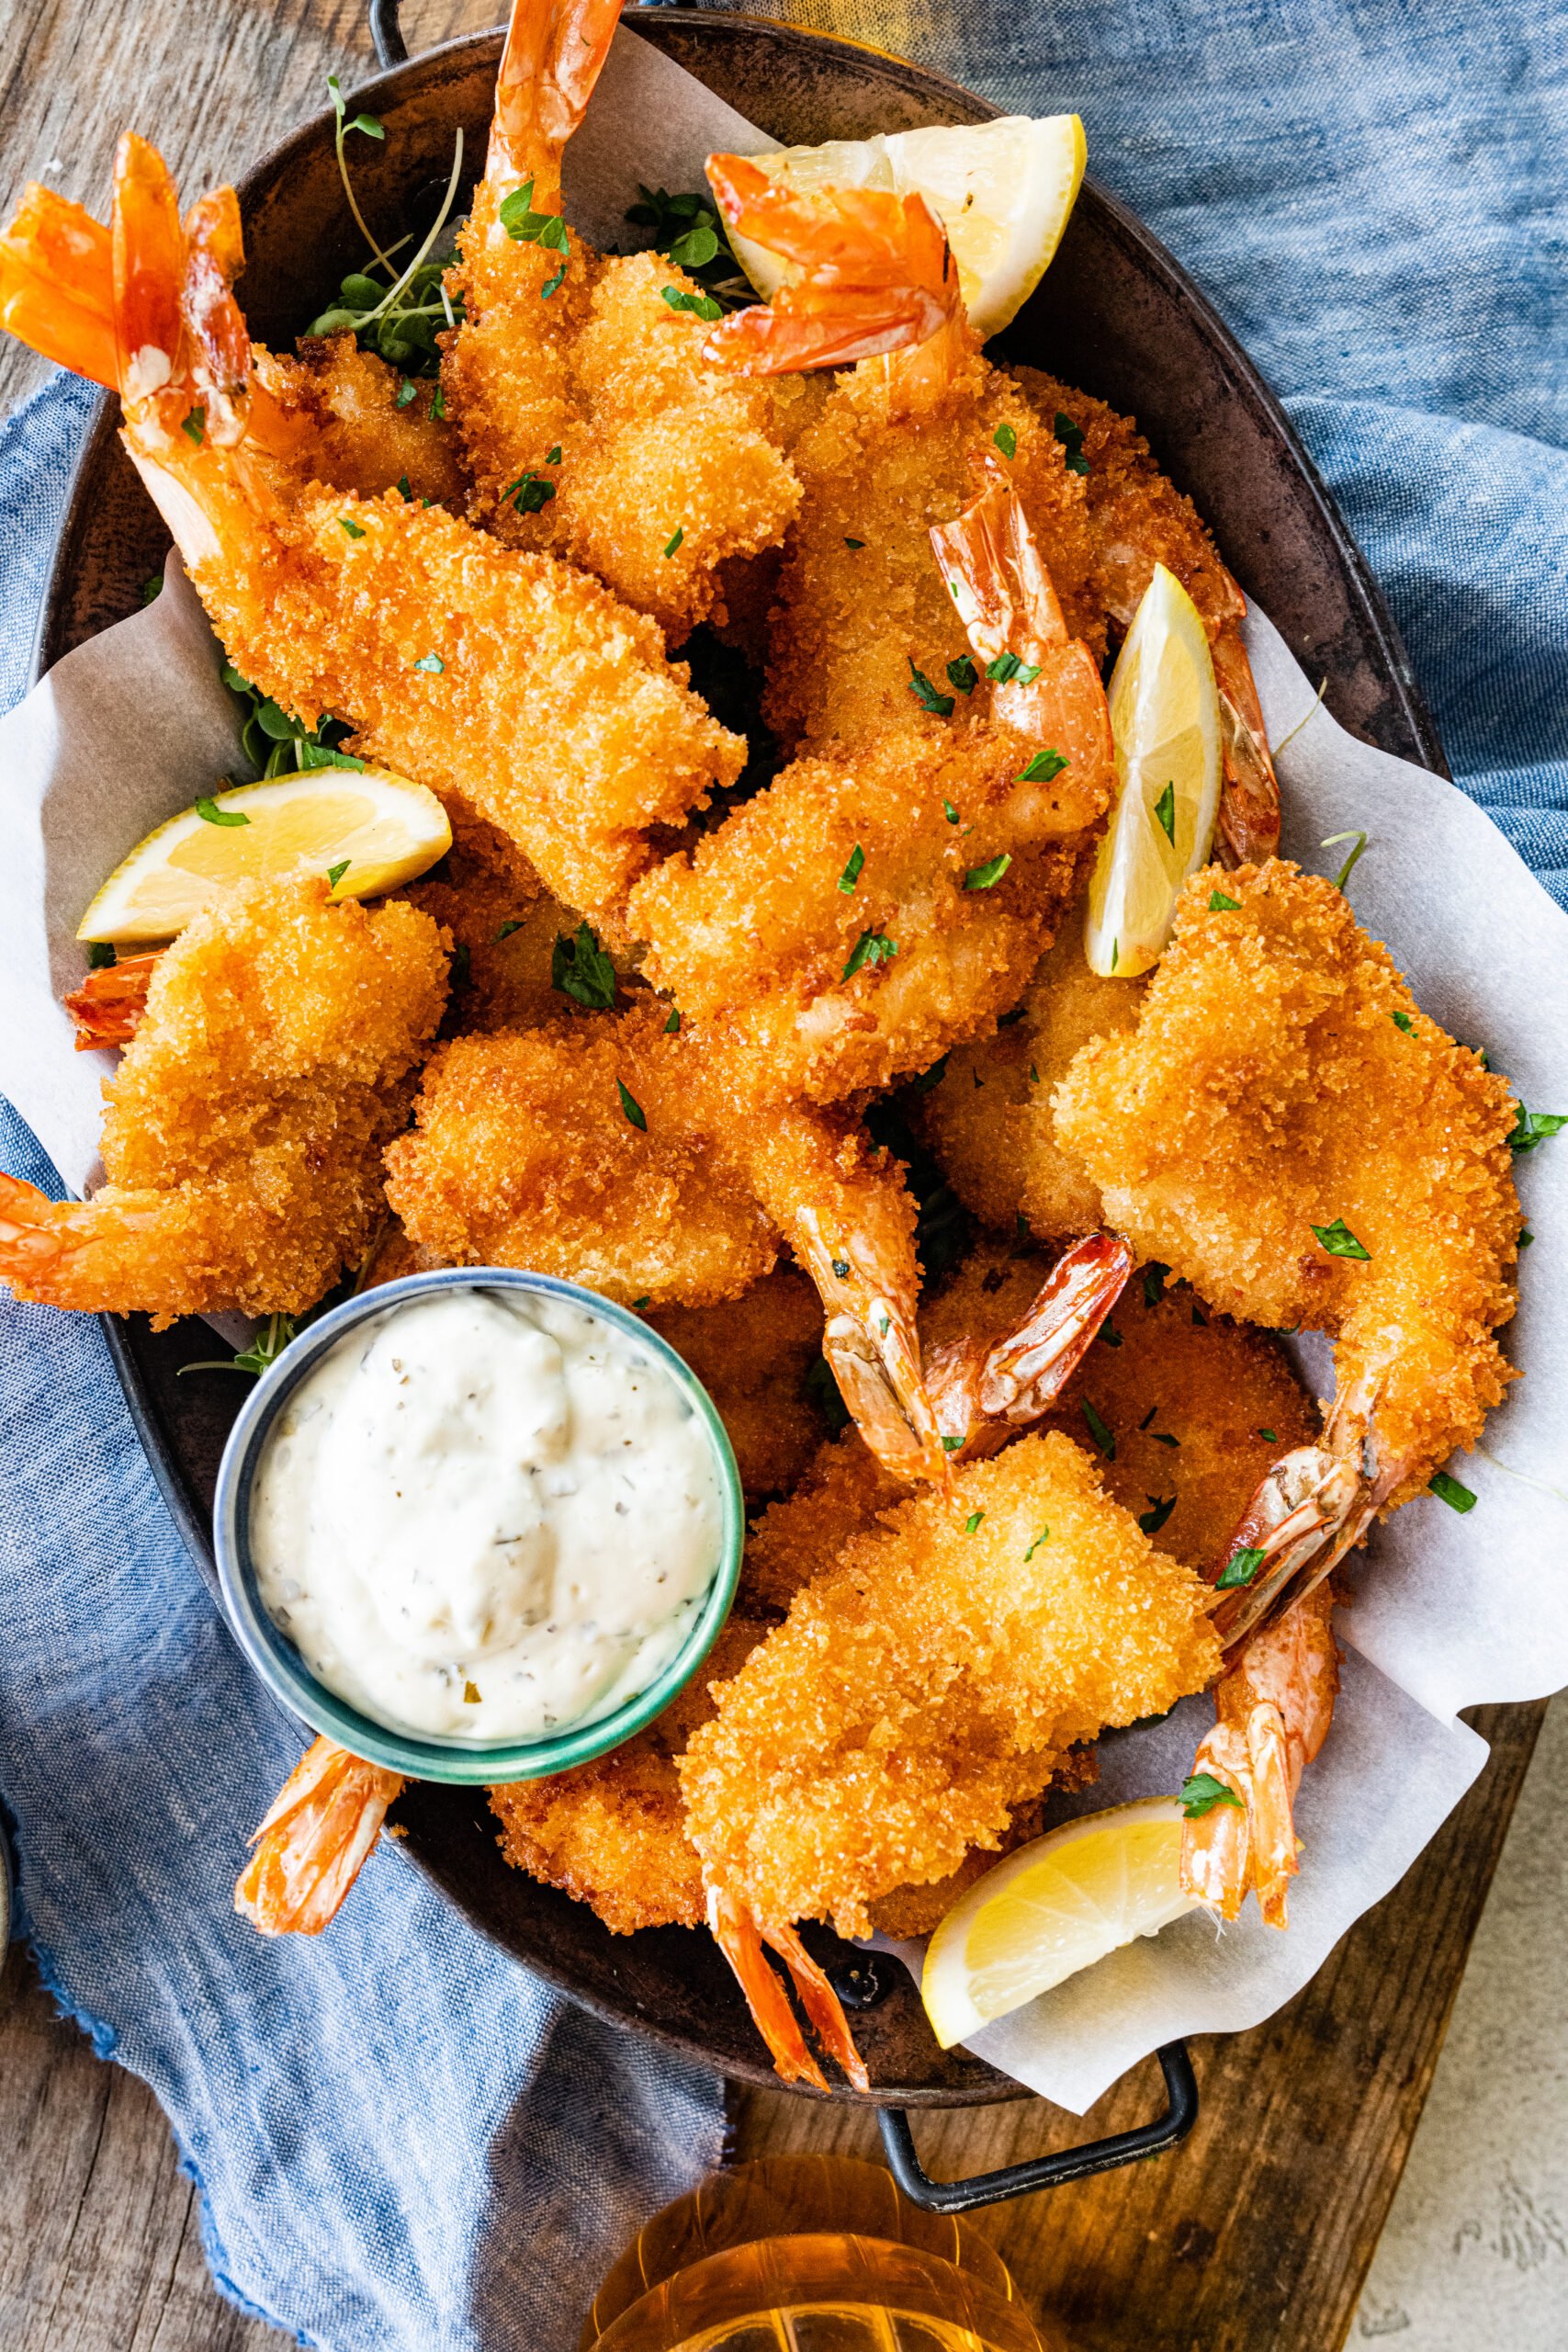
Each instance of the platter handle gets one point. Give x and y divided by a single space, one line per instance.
1045 2172
386 33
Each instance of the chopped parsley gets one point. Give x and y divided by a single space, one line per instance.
1162 1437
1155 1276
638 1304
152 587
507 929
631 1106
841 1268
335 873
437 410
1340 1242
100 956
432 664
581 969
403 491
1043 1537
950 1444
1269 1437
687 230
672 1026
1005 440
529 492
950 812
1070 436
962 675
853 543
1403 1021
194 427
1008 666
700 306
1240 1568
851 872
1449 1490
552 456
1533 1127
873 947
1165 812
672 543
1220 905
1098 1431
352 530
986 878
926 695
1160 1511
972 1522
1201 1793
209 812
1526 1237
408 392
520 220
1042 768
553 284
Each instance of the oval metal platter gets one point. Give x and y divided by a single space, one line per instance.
1116 315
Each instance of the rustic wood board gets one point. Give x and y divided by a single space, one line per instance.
1259 2231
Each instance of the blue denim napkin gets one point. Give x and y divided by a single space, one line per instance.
402 2141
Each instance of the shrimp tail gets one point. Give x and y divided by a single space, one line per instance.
1249 792
555 53
57 285
878 275
982 1395
873 1348
36 1233
742 1940
313 1842
108 1007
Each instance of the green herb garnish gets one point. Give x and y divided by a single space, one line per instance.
1349 865
1005 440
431 663
1160 1511
1155 1276
1043 1537
1008 667
972 1522
962 675
1165 812
1097 1430
873 947
985 877
581 969
1533 1127
1240 1568
194 427
671 544
851 872
1201 1793
1042 768
1070 436
1403 1021
926 695
1339 1241
1220 905
672 1026
529 493
210 813
352 530
335 873
1449 1490
631 1106
702 306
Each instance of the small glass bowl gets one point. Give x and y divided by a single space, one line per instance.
419 1756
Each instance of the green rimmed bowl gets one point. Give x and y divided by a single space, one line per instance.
277 1661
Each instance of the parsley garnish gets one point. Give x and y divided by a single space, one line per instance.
1339 1241
1269 1437
404 492
1164 810
985 877
1042 768
972 1522
1201 1793
408 392
210 813
1148 1417
152 587
1008 666
552 456
1403 1021
950 812
851 872
638 1304
521 221
1449 1490
671 544
1532 1128
1155 1279
1153 1519
352 530
438 406
950 1444
581 969
1070 436
1162 1437
1098 1431
925 694
631 1106
553 284
855 543
1526 1237
1043 1537
1220 905
932 1077
841 1267
702 306
335 873
194 427
963 674
873 947
431 663
1240 1568
529 492
1005 440
507 929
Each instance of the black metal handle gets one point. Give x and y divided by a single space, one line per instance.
1045 2172
386 33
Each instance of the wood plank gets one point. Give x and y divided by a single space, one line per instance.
1259 2230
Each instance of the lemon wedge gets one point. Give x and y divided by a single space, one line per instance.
1165 718
378 827
1056 1905
1002 190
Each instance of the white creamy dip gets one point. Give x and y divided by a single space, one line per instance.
487 1514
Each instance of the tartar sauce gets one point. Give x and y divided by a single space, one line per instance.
487 1515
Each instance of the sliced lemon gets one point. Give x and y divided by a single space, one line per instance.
1002 190
378 827
1056 1905
1165 718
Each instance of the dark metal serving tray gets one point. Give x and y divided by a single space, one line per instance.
1113 314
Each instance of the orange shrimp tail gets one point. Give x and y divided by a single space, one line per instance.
980 1399
57 286
313 1842
879 276
555 53
110 1003
149 275
35 1232
741 1939
1216 1848
215 255
1250 795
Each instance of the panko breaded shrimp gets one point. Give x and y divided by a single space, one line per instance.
935 1679
874 907
619 1152
753 1355
513 686
892 451
1136 519
360 439
844 1490
245 1129
591 422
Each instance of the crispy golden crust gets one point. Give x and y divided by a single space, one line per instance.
244 1127
760 926
844 1490
753 1355
361 439
1280 1077
551 709
920 1910
988 1121
932 1680
850 619
613 1833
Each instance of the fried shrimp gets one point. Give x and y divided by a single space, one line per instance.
620 1153
360 438
754 1355
1137 520
518 689
934 1678
844 1490
892 451
245 1129
592 425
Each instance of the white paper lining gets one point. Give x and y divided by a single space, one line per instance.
1449 1611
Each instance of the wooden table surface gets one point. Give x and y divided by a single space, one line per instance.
1258 2231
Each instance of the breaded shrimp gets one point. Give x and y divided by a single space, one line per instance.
361 439
245 1129
1290 1133
515 687
933 1680
619 1152
1136 519
753 1355
844 1490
